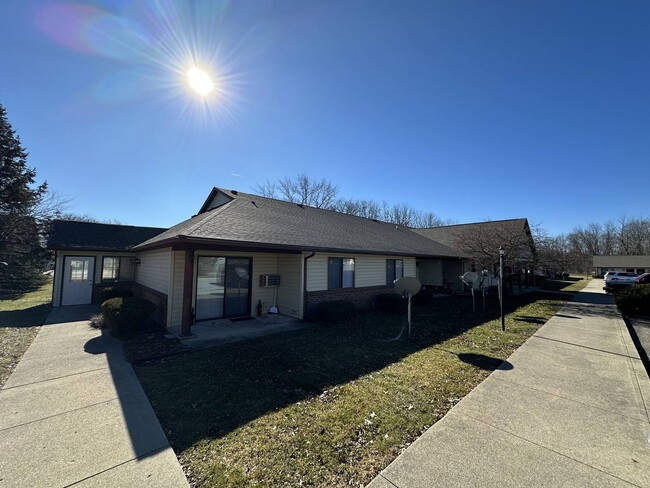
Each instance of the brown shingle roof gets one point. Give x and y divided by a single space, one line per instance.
71 234
271 223
450 235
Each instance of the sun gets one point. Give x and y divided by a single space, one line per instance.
200 81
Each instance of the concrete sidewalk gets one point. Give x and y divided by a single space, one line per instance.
572 411
73 413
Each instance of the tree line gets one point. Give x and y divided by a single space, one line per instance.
324 194
574 251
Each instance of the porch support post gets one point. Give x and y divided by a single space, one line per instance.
188 282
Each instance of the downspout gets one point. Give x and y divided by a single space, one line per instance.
54 278
304 284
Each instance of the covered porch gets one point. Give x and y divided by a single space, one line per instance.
224 331
219 293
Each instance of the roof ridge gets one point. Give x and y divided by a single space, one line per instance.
470 223
72 221
304 205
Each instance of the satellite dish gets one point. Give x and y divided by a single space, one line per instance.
470 276
470 279
406 285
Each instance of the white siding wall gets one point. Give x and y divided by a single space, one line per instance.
368 270
290 289
153 270
125 271
430 272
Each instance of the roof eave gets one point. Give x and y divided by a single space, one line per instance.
182 241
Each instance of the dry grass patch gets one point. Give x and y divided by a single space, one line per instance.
20 320
329 406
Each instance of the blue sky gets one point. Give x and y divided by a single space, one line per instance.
469 109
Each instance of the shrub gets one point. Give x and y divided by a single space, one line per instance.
115 292
424 297
127 316
332 312
97 321
634 300
390 303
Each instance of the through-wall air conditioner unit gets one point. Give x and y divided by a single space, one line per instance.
269 280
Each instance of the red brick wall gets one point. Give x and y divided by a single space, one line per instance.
361 297
159 299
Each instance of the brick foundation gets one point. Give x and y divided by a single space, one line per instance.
158 298
361 297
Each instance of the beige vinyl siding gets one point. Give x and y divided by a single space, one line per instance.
126 264
409 267
263 264
127 269
290 289
451 270
317 272
368 270
430 272
175 298
153 270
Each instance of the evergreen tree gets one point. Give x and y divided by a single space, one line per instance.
20 246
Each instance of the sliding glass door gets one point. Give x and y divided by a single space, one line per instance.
237 287
222 287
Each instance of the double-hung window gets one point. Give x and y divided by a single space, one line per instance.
110 269
340 273
394 270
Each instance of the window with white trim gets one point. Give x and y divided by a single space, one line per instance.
110 269
340 273
394 270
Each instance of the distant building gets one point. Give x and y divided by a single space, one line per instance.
631 264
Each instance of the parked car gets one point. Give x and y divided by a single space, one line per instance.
643 279
620 276
618 282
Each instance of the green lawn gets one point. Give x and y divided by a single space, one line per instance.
329 406
572 284
20 319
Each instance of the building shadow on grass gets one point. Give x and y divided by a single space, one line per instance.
210 393
28 317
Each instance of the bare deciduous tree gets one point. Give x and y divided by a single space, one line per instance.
304 190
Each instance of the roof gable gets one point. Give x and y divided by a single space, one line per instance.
215 199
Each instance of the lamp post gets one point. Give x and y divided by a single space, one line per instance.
503 319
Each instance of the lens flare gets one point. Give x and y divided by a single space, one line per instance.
200 81
161 50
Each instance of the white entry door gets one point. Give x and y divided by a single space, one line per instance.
78 280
